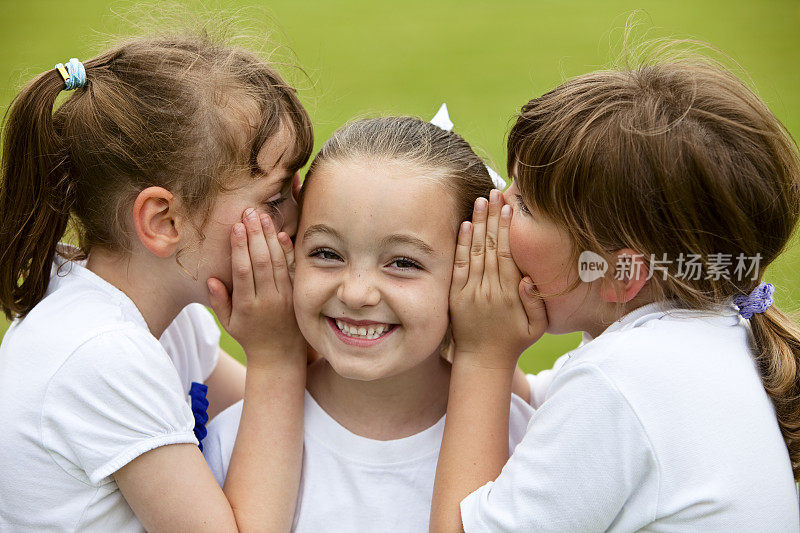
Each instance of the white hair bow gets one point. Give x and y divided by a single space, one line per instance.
442 120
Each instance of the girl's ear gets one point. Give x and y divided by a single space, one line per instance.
626 278
297 184
157 221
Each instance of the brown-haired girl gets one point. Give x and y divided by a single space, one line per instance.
681 409
371 290
174 158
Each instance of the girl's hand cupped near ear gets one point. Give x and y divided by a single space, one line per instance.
259 312
494 317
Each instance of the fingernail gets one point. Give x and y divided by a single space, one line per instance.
480 205
505 212
493 196
250 214
464 227
265 221
238 229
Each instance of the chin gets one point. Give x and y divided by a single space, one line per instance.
357 370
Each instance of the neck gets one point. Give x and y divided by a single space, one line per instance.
143 284
384 409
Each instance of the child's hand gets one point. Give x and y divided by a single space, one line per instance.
259 314
494 317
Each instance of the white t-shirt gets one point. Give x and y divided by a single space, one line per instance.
352 483
85 388
660 424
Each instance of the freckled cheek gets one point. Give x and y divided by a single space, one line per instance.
424 307
524 248
310 292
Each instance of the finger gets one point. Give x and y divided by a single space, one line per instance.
243 285
260 256
507 267
288 250
461 262
477 247
534 308
490 263
219 300
280 270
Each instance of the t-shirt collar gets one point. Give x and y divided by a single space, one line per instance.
655 311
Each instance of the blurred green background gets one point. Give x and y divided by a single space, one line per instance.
485 59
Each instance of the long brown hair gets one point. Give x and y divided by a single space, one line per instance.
672 158
156 111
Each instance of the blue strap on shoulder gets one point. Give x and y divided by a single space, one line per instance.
197 392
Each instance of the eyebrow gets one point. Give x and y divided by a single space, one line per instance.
322 229
399 238
396 238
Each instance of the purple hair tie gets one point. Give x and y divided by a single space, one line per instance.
757 301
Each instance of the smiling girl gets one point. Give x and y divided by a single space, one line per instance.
373 272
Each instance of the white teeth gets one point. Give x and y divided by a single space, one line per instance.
370 333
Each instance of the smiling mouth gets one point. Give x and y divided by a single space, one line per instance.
372 331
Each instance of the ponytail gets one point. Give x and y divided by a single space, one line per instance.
777 353
35 195
152 114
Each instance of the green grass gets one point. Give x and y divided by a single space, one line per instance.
485 59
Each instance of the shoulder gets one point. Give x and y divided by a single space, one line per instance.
194 318
111 369
118 348
678 343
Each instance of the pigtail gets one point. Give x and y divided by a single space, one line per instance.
35 195
777 353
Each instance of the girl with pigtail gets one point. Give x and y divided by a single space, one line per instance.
681 409
173 160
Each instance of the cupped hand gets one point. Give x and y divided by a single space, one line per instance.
259 312
494 314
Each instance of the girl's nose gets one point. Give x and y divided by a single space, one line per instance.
357 290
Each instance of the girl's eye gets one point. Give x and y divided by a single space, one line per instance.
522 205
274 202
325 254
405 263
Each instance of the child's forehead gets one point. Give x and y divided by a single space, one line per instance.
378 186
373 201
